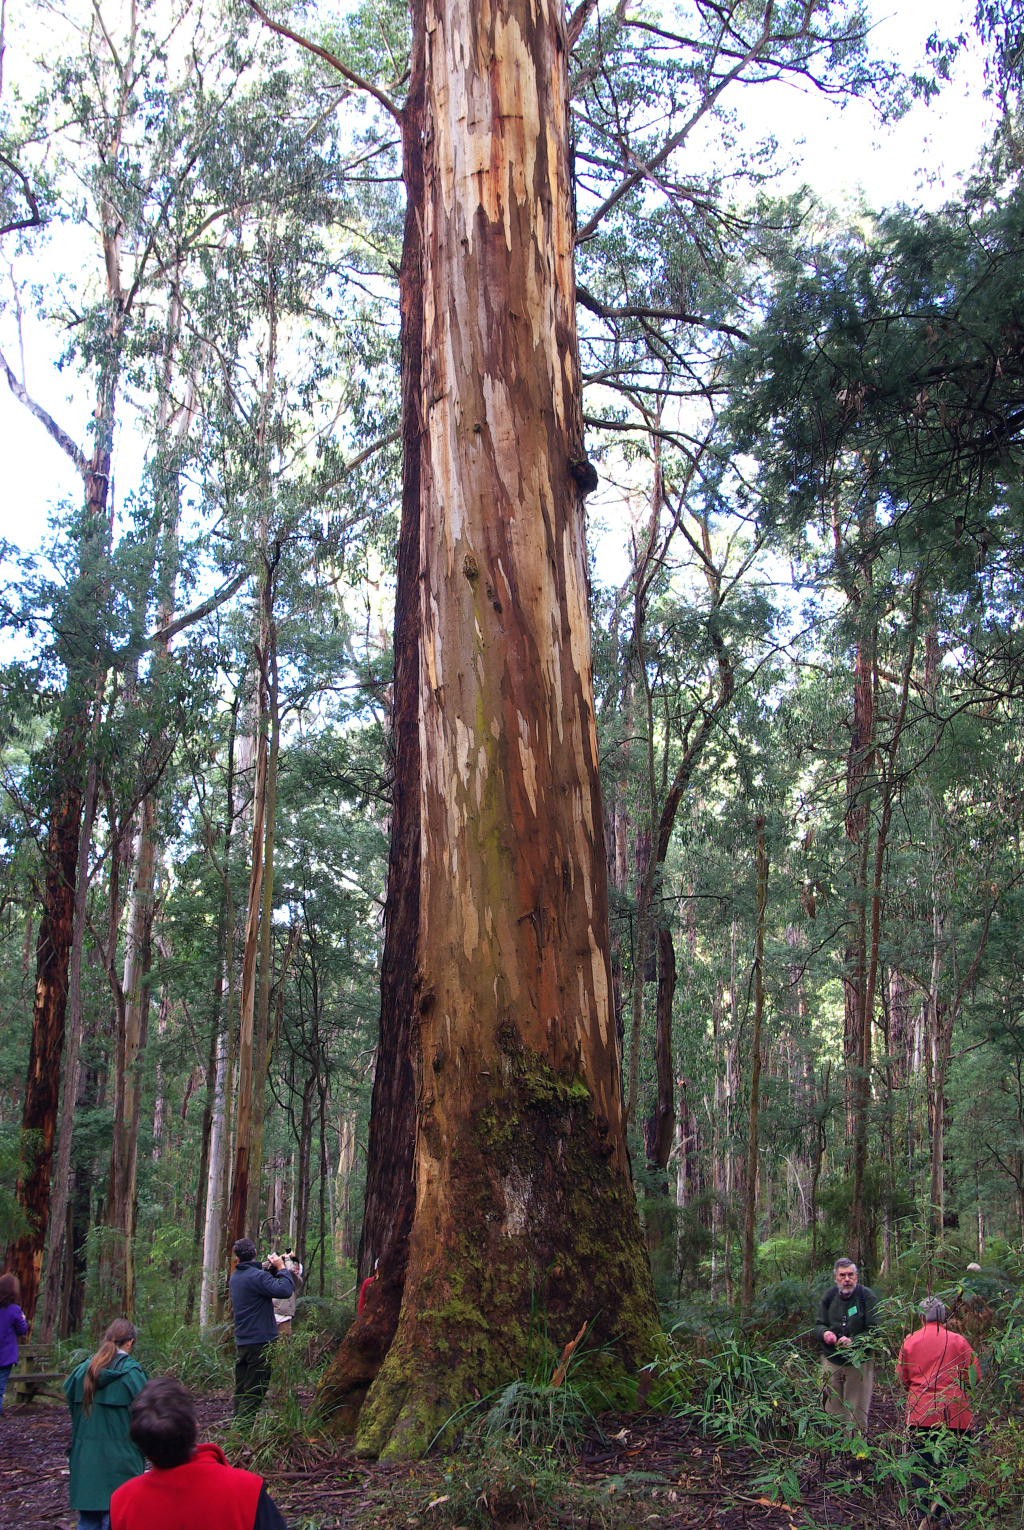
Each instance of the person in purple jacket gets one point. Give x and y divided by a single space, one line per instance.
12 1326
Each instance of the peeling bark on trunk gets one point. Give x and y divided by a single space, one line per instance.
520 1168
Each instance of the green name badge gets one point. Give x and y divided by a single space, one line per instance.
851 1311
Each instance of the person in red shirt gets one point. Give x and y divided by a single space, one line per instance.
937 1368
190 1486
364 1288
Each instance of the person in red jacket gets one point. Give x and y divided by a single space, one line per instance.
365 1287
937 1368
190 1486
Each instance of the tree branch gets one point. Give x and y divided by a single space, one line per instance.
36 220
644 170
186 619
330 58
47 421
587 300
578 20
189 618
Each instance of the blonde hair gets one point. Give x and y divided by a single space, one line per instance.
120 1332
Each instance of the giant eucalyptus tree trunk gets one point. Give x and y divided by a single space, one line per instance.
507 1060
56 925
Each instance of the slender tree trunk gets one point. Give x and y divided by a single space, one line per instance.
750 1208
203 1177
859 770
214 1179
864 1252
266 915
132 1013
520 1160
659 1129
160 1101
240 1188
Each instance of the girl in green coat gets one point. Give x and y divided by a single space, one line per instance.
99 1394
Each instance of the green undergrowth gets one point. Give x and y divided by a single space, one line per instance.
737 1387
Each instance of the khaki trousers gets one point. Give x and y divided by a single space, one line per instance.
848 1392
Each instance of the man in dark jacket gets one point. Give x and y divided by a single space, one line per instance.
252 1292
847 1313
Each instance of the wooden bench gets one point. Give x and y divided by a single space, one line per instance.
33 1373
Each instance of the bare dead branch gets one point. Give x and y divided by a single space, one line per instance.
47 421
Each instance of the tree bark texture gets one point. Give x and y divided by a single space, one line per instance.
42 1085
521 1176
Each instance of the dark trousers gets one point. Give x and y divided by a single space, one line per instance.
252 1378
937 1452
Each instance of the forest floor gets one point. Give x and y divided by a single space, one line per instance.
650 1471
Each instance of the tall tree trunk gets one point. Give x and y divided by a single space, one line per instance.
390 1195
59 1220
520 1158
56 926
750 1208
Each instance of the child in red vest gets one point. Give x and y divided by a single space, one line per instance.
190 1486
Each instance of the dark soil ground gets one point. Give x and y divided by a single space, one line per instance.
650 1471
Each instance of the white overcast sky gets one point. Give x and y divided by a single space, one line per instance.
836 152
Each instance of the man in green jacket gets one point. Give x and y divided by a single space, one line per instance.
847 1312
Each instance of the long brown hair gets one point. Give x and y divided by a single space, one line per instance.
10 1290
119 1332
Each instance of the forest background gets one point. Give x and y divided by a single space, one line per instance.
805 414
